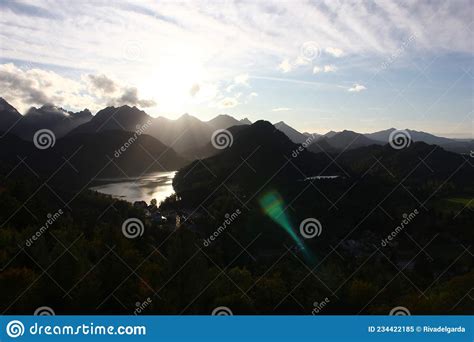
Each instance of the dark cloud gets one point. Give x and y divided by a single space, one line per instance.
102 83
130 97
20 86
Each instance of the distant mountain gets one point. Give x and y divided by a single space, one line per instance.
338 142
209 150
184 134
322 145
291 133
397 164
448 144
267 152
124 118
415 136
142 155
48 116
330 134
224 121
246 121
9 116
187 134
92 156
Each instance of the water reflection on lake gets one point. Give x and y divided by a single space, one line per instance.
157 185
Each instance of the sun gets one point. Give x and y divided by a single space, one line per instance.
172 84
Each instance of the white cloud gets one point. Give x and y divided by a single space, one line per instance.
357 88
256 28
105 37
36 87
326 68
228 102
285 66
330 68
242 79
334 51
26 88
281 109
253 94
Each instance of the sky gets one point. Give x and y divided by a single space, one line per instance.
317 65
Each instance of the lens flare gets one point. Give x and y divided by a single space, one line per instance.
273 206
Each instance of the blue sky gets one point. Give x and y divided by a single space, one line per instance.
319 66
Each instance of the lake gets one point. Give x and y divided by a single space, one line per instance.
157 185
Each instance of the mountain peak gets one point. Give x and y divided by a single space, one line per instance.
290 132
6 107
224 121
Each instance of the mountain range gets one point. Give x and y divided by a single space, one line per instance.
188 135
